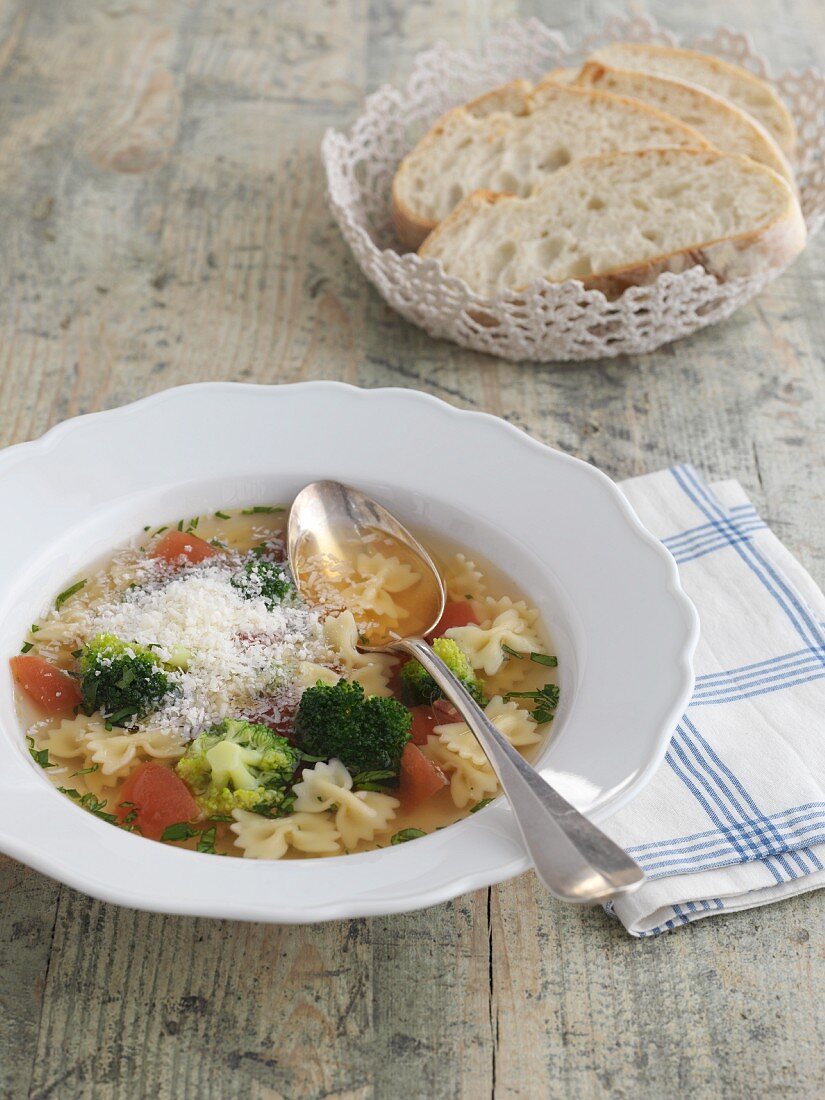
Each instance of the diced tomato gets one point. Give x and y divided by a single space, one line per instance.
50 687
420 777
158 798
175 545
424 720
456 613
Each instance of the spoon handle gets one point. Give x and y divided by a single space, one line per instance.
575 860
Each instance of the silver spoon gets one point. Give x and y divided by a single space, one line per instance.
574 859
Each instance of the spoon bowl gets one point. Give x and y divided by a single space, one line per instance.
336 534
330 527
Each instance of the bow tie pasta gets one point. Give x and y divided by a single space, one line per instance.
485 644
359 815
270 838
191 692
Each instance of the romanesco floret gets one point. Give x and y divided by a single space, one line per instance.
418 687
238 765
366 733
124 680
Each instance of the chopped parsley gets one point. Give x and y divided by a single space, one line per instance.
39 756
182 830
89 802
480 805
222 515
540 658
404 835
85 771
260 510
546 700
26 647
372 781
207 840
69 592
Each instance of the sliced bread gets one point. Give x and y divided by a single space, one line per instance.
620 219
725 126
748 92
513 138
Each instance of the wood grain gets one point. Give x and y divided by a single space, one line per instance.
162 221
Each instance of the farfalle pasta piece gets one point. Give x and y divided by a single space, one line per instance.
67 628
270 837
309 674
117 753
492 606
469 782
511 720
68 740
111 754
371 670
456 750
359 815
508 678
380 578
484 644
463 580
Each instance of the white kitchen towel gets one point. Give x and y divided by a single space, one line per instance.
735 816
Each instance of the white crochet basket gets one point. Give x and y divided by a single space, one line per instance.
549 321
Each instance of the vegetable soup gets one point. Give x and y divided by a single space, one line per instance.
184 691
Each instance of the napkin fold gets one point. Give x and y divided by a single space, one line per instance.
735 815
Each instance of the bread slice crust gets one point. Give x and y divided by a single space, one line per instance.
752 94
745 253
483 118
728 128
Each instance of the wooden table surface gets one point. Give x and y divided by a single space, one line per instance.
162 221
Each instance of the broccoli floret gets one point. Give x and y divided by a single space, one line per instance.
418 687
365 733
238 765
266 579
124 680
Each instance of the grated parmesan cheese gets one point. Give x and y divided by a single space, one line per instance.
240 652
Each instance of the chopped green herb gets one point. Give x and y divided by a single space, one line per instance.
480 805
222 515
406 834
372 780
545 659
218 543
39 756
148 527
76 653
160 530
89 802
181 831
85 771
61 599
33 629
180 524
546 700
260 510
25 647
119 717
539 658
207 840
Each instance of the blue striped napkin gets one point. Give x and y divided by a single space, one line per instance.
735 816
